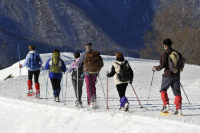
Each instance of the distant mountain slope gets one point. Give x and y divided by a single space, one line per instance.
69 24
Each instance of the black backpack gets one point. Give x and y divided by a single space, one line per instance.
176 61
125 72
80 72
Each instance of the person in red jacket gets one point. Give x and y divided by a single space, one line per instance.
169 79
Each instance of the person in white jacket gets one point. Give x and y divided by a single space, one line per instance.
121 86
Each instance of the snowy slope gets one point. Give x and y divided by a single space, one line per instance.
44 115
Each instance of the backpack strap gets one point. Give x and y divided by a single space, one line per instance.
118 63
51 61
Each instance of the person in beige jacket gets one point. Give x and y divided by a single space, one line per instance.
121 85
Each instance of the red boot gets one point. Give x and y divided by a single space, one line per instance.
178 102
30 89
164 98
37 87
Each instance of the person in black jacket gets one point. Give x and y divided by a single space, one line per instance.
121 85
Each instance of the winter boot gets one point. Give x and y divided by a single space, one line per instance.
124 104
126 107
57 99
165 109
78 104
30 89
37 87
178 112
91 106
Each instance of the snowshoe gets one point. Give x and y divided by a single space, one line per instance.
31 94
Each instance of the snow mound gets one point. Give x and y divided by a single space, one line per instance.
45 115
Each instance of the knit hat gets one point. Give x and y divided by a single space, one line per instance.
167 42
88 44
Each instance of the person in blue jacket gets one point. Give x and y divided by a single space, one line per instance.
56 66
33 63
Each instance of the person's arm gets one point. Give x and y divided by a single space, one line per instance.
112 73
63 66
25 62
69 70
41 61
163 62
133 74
81 60
47 65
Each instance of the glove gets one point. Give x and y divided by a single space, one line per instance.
20 66
107 75
154 68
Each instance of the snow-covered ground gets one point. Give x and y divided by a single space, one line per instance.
40 116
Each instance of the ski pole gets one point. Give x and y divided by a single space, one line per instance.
62 85
137 97
19 72
77 89
150 90
102 87
66 90
47 85
187 98
45 81
107 91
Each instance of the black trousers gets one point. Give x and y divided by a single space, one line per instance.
55 83
36 75
80 85
121 88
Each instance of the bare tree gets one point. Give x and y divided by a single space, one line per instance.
179 21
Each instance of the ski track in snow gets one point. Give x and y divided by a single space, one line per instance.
45 115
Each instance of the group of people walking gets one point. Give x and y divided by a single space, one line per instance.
85 67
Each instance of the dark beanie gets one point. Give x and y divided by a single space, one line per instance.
88 44
167 42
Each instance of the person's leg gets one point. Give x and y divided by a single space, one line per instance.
177 92
93 87
121 88
88 89
74 83
30 76
36 76
80 86
53 83
37 85
58 87
166 83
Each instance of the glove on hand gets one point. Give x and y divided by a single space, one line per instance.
20 66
